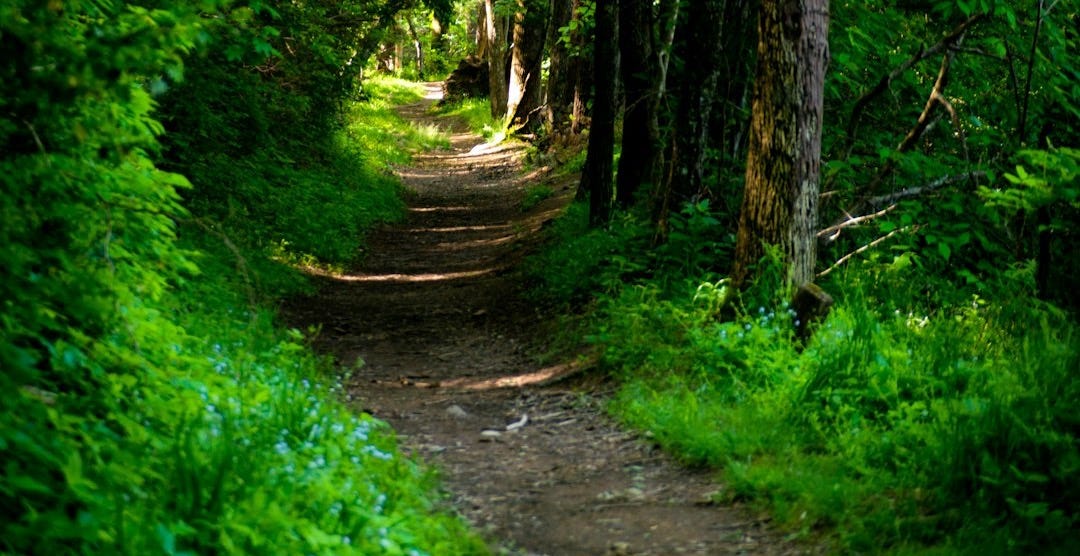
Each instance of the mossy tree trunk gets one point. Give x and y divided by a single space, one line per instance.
526 55
782 171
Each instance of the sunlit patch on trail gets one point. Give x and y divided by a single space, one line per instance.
441 209
534 378
406 278
456 229
433 90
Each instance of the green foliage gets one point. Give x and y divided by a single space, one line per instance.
1010 85
148 404
581 261
535 195
477 115
897 427
934 409
1056 179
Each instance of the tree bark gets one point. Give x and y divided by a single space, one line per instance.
597 176
640 160
559 91
494 32
527 53
699 51
418 47
783 165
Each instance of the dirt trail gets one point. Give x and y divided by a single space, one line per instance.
434 311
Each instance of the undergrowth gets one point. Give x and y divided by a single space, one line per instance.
476 112
148 402
920 416
286 200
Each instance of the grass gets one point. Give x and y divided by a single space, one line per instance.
477 115
186 420
534 195
940 423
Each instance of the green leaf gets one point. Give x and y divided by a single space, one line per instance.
944 249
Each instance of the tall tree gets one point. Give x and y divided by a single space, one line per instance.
567 66
783 165
526 55
640 68
699 52
494 48
596 179
714 40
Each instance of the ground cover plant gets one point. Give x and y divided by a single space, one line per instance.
902 424
933 410
150 404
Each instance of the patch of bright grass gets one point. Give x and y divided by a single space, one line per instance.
942 423
477 115
387 91
536 194
891 429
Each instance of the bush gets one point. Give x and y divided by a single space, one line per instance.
896 427
148 404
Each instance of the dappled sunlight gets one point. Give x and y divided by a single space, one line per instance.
456 229
403 278
534 378
442 209
470 244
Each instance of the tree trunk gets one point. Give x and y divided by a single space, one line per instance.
736 63
782 169
494 33
701 55
596 178
418 47
639 163
527 54
561 73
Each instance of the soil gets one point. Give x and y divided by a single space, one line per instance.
436 312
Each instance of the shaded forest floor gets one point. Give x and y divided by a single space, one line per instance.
435 312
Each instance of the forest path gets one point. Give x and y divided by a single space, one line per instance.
435 312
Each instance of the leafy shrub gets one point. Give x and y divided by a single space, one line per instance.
896 427
148 404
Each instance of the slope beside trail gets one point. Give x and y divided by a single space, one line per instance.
435 312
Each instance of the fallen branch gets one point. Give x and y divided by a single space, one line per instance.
864 248
926 188
835 229
950 42
831 233
925 121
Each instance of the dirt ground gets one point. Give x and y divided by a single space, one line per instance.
528 456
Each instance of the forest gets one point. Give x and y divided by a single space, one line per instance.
824 250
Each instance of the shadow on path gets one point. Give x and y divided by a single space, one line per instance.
435 313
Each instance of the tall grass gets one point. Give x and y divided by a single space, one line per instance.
476 112
190 423
905 424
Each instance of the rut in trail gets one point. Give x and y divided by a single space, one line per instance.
435 312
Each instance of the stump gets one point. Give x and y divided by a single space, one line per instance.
811 306
468 80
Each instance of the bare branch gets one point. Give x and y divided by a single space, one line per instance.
926 188
978 52
949 41
864 248
926 119
834 231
